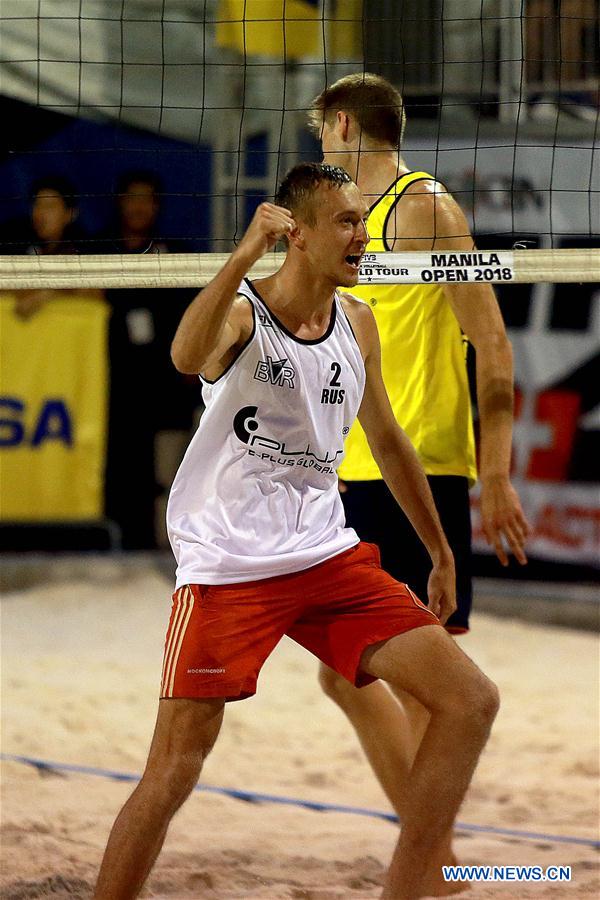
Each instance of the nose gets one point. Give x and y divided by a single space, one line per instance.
362 233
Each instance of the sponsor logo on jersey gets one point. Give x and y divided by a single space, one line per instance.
275 371
247 428
265 321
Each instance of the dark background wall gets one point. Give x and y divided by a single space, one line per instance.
38 142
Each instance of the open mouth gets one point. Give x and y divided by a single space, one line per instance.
353 259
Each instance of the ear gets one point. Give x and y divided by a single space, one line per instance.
296 237
343 122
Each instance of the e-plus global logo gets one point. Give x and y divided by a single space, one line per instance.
247 428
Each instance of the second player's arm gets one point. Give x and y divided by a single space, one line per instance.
402 469
479 317
437 223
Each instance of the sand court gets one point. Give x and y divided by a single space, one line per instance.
81 660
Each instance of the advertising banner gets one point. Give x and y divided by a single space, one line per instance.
53 409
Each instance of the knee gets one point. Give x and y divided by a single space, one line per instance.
490 700
485 698
480 703
171 780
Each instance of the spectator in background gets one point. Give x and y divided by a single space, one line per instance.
138 206
50 225
53 216
151 405
52 228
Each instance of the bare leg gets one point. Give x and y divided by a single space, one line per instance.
184 735
417 721
462 704
390 729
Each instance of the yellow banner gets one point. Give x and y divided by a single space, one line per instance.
53 409
290 29
345 34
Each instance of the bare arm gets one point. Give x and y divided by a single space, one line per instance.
401 468
434 221
217 322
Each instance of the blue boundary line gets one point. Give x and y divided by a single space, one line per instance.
253 797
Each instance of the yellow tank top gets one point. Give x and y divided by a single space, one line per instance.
423 364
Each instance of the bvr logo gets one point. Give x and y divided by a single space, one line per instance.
275 371
265 321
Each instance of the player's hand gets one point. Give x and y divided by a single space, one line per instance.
441 589
269 224
503 519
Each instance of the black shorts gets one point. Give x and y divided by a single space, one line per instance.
372 511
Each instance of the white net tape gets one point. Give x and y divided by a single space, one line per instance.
176 270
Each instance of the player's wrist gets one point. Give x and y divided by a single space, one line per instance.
442 556
244 256
493 478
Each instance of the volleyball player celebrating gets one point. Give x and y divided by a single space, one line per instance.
360 120
257 527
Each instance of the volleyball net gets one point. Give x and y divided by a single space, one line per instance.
206 103
181 270
501 98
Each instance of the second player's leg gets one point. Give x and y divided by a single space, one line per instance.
185 733
389 732
462 703
385 728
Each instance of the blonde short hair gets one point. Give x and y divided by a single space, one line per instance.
375 103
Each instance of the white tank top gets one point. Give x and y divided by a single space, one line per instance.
256 493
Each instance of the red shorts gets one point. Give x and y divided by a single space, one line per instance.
219 636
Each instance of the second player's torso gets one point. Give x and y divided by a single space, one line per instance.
423 365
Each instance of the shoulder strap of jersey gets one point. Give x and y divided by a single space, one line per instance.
397 187
409 178
395 192
245 289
